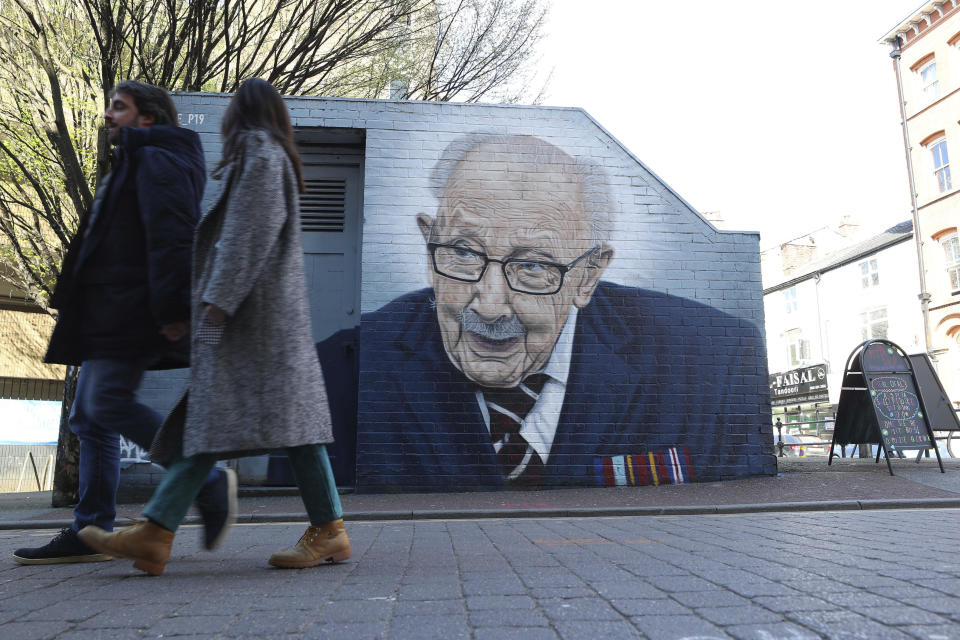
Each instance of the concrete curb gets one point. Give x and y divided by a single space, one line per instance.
568 512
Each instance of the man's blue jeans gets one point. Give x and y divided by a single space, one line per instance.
104 409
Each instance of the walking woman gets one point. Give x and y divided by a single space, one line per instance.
255 382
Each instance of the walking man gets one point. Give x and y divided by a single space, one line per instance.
123 297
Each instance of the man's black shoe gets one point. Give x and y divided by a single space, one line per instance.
217 503
65 547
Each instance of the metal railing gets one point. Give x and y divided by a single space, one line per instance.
822 426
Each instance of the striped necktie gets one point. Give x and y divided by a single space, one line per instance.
508 407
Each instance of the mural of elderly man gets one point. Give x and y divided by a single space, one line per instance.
521 367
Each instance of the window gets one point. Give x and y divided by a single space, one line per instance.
790 297
951 250
941 163
868 273
928 80
873 323
398 89
798 348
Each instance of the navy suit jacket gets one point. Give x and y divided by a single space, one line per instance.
649 371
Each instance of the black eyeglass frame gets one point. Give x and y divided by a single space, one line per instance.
563 268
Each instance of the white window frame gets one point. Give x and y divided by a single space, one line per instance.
790 299
941 164
869 273
798 349
951 258
929 84
870 322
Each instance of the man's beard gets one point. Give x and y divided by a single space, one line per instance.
499 330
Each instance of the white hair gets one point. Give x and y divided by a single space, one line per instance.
597 201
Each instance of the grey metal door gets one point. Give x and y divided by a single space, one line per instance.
330 218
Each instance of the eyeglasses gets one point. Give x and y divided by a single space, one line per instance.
536 277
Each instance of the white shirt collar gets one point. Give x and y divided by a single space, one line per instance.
539 428
558 367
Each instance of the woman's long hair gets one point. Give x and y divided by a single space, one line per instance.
257 105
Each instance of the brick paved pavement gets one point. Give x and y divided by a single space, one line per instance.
789 576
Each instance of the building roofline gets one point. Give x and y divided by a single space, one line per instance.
913 18
841 262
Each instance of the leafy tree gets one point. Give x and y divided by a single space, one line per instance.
60 59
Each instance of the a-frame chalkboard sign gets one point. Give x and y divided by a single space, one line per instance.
880 404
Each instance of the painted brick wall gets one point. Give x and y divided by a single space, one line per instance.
666 375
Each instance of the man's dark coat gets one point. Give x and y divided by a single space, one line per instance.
127 271
649 371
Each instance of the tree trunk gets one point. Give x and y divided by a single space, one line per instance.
66 478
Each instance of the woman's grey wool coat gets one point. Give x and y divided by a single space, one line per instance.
261 387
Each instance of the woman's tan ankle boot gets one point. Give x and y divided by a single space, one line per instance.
324 543
146 543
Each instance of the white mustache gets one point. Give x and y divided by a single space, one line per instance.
500 329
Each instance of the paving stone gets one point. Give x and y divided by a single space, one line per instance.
673 584
627 589
901 614
344 630
128 616
515 633
933 632
857 600
907 591
507 618
762 587
185 625
550 593
552 578
499 603
713 598
354 610
846 624
934 604
361 591
68 610
659 606
428 607
33 630
950 586
749 614
109 634
292 602
31 600
578 609
214 605
678 628
494 586
776 631
428 591
428 628
577 630
818 585
794 603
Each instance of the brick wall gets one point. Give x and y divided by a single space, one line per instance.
667 373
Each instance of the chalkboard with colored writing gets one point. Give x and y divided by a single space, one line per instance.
899 416
880 403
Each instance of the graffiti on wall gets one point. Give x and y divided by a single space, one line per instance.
521 366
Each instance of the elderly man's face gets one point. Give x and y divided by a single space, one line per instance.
493 334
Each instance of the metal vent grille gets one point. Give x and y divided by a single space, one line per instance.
323 206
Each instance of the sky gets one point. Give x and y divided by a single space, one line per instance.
782 117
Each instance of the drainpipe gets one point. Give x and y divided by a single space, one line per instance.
823 344
924 294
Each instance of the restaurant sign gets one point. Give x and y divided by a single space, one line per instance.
799 386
